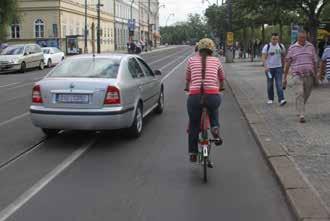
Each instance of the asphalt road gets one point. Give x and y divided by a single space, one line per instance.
104 176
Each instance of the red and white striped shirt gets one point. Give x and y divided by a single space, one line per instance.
214 74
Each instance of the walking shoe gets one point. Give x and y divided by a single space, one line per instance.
193 158
216 134
283 102
209 164
270 102
302 120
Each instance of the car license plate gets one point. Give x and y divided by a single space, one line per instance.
72 98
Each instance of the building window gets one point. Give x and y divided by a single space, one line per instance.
15 30
39 27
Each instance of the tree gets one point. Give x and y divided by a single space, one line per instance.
311 10
191 30
8 13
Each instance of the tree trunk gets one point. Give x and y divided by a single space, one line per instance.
253 40
245 42
313 27
281 32
263 33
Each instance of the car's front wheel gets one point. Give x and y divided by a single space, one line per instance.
23 67
50 132
49 63
41 65
161 103
136 129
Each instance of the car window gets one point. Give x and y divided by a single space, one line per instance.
134 68
46 51
13 50
29 49
56 50
87 68
37 49
146 69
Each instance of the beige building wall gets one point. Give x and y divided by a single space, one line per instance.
69 16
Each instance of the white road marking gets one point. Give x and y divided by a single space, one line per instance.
36 188
7 85
22 85
14 119
164 58
174 69
172 62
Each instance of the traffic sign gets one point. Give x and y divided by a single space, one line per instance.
230 38
131 25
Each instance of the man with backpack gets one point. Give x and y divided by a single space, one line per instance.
273 55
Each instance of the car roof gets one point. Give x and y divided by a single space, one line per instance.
118 56
22 45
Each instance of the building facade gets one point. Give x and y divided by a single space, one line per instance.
61 23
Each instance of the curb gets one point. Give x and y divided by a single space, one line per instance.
304 201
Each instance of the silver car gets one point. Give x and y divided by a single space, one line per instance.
21 57
104 92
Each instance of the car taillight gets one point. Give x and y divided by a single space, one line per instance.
36 94
112 96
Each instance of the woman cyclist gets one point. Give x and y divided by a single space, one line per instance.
203 64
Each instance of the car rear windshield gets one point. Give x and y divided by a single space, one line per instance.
87 68
13 50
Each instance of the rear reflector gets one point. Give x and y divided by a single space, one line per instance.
112 96
36 94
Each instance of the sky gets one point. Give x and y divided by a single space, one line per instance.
181 9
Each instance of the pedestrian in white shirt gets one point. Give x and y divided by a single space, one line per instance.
273 55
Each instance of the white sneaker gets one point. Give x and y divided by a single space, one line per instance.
283 102
270 102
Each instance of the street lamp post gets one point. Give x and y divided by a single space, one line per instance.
229 51
86 31
172 14
157 14
114 25
131 32
98 7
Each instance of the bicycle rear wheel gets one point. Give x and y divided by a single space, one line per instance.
205 162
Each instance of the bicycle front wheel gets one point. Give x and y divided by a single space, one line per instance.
205 162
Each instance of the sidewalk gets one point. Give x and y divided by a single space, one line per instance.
306 147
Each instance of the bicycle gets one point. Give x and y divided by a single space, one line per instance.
205 144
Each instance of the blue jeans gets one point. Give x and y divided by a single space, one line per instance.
195 109
276 74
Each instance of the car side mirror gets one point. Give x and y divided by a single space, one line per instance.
158 72
25 53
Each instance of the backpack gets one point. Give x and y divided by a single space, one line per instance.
281 47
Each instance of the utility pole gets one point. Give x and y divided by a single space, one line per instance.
229 51
114 25
149 46
98 7
86 31
131 32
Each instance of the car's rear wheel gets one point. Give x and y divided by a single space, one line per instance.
50 132
161 103
41 65
136 129
23 67
49 63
